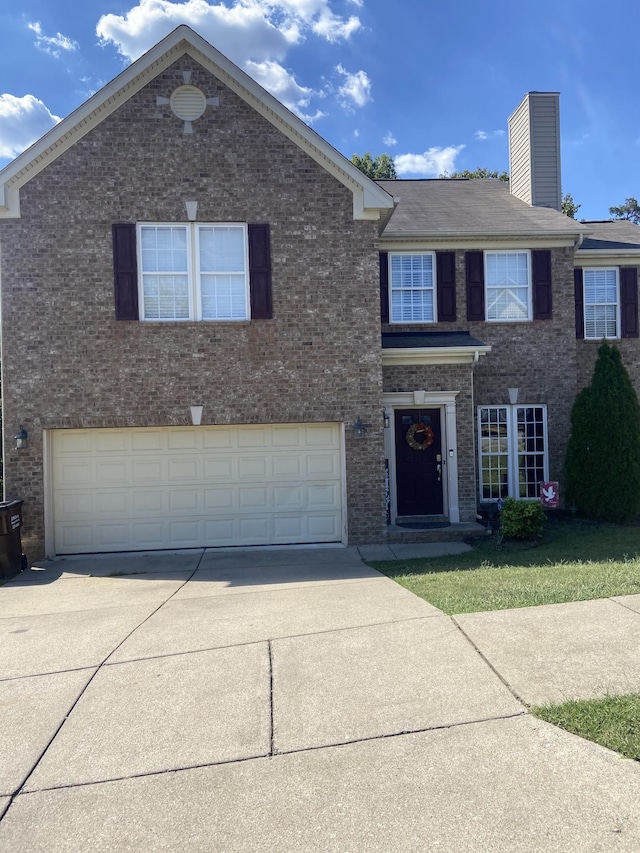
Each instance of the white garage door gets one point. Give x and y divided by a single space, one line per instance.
193 487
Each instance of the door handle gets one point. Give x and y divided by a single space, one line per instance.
439 470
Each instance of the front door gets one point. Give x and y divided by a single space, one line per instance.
418 461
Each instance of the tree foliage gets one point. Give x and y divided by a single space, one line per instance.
629 210
480 172
602 465
569 207
379 168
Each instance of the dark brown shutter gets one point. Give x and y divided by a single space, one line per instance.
384 287
629 301
260 272
446 285
541 278
578 291
125 271
475 285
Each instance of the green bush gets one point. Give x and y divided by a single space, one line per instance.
602 464
521 519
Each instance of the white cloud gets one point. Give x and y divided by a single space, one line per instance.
283 86
483 135
432 163
258 30
51 44
255 34
22 121
389 139
356 88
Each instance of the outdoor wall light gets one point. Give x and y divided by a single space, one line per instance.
385 418
359 429
21 438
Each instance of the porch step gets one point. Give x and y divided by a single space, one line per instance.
449 533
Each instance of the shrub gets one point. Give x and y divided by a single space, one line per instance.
521 519
602 465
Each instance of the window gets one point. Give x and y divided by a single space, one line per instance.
601 304
512 442
193 271
412 284
508 286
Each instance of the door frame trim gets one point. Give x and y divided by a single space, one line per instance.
446 402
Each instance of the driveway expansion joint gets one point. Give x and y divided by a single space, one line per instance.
504 681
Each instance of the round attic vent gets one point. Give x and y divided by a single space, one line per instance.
188 103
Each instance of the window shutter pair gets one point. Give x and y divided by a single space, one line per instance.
125 271
628 302
445 286
540 280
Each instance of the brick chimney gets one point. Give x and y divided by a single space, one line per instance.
534 150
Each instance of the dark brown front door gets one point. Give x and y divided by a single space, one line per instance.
418 461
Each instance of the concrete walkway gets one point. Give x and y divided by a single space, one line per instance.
296 700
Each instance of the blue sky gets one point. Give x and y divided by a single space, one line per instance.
432 84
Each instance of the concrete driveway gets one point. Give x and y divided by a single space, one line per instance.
294 700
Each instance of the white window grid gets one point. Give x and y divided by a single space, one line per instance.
412 287
601 299
188 271
513 451
508 290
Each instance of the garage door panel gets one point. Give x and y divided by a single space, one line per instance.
253 468
112 442
183 469
322 465
148 440
192 487
148 471
220 469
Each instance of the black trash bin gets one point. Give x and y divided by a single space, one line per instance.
11 558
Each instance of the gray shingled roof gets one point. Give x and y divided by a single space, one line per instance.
462 207
613 234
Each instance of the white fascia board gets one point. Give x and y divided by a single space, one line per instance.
460 240
370 200
589 257
432 355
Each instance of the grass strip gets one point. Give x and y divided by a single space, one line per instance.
574 561
613 721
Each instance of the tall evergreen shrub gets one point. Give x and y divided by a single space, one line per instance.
602 465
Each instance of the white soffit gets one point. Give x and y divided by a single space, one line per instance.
432 355
369 200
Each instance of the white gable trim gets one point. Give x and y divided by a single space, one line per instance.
369 200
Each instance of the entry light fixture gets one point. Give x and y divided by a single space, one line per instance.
21 438
385 418
359 429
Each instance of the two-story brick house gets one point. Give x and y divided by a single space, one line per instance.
203 303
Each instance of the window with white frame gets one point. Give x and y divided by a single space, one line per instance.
193 271
507 277
601 304
412 283
512 446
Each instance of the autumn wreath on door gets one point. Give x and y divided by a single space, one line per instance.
419 436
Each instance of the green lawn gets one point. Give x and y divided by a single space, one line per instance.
573 561
613 722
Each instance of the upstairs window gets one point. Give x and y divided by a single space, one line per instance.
508 286
412 285
193 271
601 304
512 444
